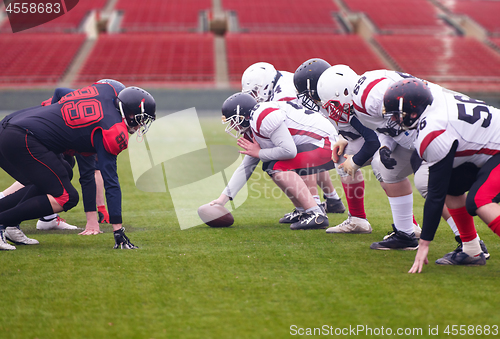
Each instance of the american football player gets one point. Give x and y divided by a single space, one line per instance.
458 137
94 119
357 140
289 142
343 93
266 84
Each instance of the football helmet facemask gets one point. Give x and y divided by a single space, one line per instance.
236 111
118 86
406 100
305 80
335 87
258 80
137 108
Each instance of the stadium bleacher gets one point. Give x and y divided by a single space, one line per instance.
161 15
315 16
402 17
287 51
484 12
444 59
151 58
39 58
168 46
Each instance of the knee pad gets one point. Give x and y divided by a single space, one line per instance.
470 205
421 182
73 199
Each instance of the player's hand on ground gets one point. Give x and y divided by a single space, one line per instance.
421 257
122 241
222 200
338 149
385 158
349 166
90 231
250 148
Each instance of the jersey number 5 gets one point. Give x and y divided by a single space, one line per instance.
476 111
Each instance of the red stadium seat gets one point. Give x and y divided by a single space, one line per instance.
313 16
286 51
456 61
484 12
401 17
161 15
151 58
36 58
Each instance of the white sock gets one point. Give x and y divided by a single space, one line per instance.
2 195
453 226
402 213
315 209
332 195
300 209
49 217
317 199
472 248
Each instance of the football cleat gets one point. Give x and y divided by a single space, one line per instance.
459 247
291 217
333 205
416 229
397 241
4 245
54 224
310 221
122 241
16 236
462 258
353 225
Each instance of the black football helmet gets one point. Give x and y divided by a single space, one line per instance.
305 80
406 100
138 108
118 86
236 111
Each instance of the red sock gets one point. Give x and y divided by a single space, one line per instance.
464 222
414 220
495 226
355 196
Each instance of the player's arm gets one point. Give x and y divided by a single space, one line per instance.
107 166
238 180
284 146
439 181
370 146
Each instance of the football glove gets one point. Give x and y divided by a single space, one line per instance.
103 214
122 241
385 158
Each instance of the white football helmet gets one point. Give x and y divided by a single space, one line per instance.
335 88
258 80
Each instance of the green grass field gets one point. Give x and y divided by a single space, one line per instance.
256 279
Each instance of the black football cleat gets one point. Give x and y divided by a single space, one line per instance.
397 240
310 221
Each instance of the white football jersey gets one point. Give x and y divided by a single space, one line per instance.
305 127
368 102
284 89
454 116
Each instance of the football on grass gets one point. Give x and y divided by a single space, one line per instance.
215 215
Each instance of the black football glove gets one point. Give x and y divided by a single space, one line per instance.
385 158
122 241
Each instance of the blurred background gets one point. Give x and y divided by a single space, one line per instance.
192 52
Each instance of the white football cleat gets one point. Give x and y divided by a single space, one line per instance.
417 230
54 224
353 225
4 245
16 236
